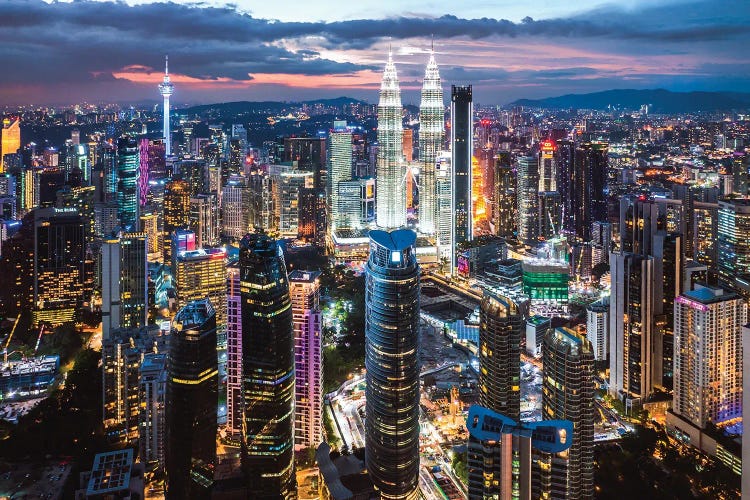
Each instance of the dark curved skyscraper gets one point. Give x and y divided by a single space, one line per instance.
268 370
392 338
192 398
500 326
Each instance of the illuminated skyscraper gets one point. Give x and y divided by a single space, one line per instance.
201 274
151 399
124 282
391 359
176 211
597 328
341 170
268 383
588 199
166 89
507 473
547 167
235 206
500 328
549 215
312 225
204 219
444 208
634 368
708 325
390 169
733 242
234 351
504 209
128 172
192 395
527 194
462 133
308 343
290 183
431 141
10 140
568 394
59 264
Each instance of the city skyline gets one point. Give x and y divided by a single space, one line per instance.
559 51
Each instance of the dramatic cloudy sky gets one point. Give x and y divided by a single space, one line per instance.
63 52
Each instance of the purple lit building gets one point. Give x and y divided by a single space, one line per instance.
234 351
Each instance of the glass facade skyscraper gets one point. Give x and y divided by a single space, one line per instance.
391 194
462 133
528 199
128 173
267 370
192 395
391 359
431 141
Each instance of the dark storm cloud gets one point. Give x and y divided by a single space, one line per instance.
65 43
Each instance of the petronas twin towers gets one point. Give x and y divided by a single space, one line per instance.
392 168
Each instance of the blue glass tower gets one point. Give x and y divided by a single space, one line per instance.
391 358
268 370
128 174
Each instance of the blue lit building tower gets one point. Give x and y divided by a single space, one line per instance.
166 89
391 340
268 382
128 174
510 473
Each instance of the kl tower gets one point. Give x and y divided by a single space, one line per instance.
166 89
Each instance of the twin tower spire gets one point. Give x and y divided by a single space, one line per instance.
391 166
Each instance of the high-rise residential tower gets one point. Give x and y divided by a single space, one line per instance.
431 142
391 194
308 343
708 325
192 395
166 89
391 359
151 402
268 382
500 328
462 134
568 394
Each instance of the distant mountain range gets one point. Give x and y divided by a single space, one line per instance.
240 107
660 101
